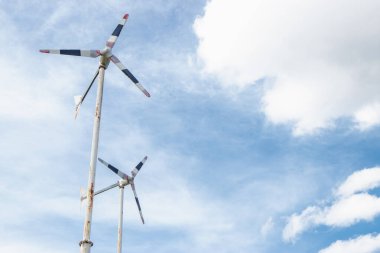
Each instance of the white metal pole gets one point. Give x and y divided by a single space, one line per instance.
85 244
120 228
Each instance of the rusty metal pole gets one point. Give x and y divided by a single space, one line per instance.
86 244
120 228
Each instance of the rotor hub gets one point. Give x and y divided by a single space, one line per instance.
123 182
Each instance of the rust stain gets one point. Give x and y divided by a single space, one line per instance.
91 195
97 112
87 226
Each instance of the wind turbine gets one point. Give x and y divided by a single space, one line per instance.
124 181
106 56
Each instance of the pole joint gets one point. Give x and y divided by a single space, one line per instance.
86 242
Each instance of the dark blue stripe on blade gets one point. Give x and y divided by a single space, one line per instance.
138 167
70 52
113 168
129 74
117 30
138 203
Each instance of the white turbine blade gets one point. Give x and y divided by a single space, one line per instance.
115 35
138 167
120 65
137 201
114 169
74 52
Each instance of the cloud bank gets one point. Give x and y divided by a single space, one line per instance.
320 58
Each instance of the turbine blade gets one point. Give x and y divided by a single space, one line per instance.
112 40
137 202
120 65
138 167
74 52
115 170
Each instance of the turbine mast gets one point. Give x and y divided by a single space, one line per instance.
86 244
120 227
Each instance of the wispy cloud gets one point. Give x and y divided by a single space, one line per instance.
348 208
267 227
360 181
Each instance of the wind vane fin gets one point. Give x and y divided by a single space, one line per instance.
78 101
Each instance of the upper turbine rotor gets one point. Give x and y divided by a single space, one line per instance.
106 54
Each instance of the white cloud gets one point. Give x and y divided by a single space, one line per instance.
322 57
368 116
363 244
267 227
298 223
352 209
359 181
347 209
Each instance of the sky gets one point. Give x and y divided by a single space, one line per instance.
261 131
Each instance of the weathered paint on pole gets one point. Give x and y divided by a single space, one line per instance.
86 244
120 228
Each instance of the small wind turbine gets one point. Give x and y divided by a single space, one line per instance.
125 180
106 56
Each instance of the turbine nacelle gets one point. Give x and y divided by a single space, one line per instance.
106 53
124 182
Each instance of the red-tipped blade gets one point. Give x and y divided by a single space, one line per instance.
73 52
115 35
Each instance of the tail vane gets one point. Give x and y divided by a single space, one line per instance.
120 65
115 35
82 195
138 167
137 202
114 169
79 99
73 52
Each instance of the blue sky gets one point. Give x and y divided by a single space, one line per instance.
261 131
